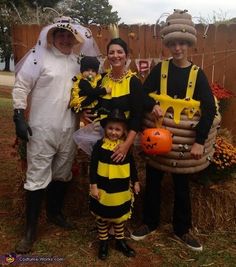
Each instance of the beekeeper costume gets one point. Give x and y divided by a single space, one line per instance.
42 86
45 77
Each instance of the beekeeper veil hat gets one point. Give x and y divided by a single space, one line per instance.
84 45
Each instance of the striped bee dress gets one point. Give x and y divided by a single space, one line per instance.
113 181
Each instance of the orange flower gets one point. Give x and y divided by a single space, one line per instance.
225 154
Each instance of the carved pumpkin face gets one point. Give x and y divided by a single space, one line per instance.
156 141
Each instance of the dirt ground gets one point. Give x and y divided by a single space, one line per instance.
56 247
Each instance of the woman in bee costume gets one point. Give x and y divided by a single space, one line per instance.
126 94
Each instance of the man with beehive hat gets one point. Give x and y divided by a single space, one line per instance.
179 96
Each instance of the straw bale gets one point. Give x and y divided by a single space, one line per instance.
213 207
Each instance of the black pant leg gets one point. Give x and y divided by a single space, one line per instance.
182 214
152 197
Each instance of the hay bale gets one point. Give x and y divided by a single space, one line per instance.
213 207
77 197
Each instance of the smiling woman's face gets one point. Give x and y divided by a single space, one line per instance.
64 41
116 55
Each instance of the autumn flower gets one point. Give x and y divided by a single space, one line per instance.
220 92
225 154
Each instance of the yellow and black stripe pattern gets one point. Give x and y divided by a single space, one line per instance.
119 230
103 229
120 94
76 99
113 181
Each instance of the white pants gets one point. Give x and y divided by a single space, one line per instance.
50 155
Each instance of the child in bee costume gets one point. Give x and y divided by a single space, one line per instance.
87 86
110 192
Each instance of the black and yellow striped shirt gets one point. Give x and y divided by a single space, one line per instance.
113 181
127 96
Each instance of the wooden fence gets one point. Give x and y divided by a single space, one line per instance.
215 52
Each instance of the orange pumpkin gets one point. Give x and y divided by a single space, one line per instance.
156 141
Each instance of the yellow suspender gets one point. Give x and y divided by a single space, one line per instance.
164 75
191 80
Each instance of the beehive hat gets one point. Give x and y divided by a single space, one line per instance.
179 26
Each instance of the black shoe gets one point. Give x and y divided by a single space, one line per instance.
190 241
124 248
60 220
141 232
103 249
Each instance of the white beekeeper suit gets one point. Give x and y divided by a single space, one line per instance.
45 75
43 84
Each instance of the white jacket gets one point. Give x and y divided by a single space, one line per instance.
48 91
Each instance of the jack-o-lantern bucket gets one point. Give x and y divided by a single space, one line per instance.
156 141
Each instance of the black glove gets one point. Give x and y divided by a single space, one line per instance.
22 127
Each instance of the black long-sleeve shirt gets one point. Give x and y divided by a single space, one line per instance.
176 87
